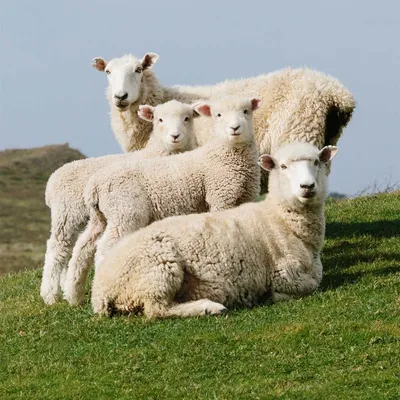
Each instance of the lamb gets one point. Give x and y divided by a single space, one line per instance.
65 188
205 263
219 175
297 104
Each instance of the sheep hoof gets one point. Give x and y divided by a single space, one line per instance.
74 300
50 298
279 297
212 308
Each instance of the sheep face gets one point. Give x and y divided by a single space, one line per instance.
299 172
172 123
124 77
232 117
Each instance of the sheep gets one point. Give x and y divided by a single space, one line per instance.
65 188
202 264
298 104
219 175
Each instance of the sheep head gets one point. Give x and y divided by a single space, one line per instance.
125 77
232 117
172 124
298 172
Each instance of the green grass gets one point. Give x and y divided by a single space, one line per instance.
341 343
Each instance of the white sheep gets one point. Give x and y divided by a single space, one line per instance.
297 104
65 188
205 263
219 175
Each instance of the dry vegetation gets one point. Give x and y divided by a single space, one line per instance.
24 217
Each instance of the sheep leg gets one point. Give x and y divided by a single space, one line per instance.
196 308
127 222
63 277
289 281
81 261
58 252
111 236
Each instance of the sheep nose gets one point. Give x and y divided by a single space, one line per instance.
175 136
121 96
235 128
307 186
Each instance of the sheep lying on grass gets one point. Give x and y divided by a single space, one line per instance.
65 188
297 104
200 264
219 175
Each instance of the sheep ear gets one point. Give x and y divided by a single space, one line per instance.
327 153
266 162
195 113
149 60
146 112
202 109
99 63
255 104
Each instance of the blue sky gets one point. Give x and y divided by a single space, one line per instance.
50 94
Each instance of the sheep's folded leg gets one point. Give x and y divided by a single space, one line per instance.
196 308
289 281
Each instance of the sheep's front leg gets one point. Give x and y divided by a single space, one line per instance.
81 261
196 308
289 280
58 252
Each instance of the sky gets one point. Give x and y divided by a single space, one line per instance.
50 94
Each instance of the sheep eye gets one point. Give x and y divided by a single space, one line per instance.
138 70
283 166
186 119
316 162
108 72
160 120
246 111
218 115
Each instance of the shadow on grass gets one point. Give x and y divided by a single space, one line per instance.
343 255
381 229
334 281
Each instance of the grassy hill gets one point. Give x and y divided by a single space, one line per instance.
24 217
341 343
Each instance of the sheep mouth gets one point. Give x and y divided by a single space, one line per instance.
236 134
122 106
308 195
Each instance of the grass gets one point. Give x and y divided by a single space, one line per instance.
341 343
24 217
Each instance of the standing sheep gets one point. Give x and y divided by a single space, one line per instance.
200 264
219 175
65 189
297 104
